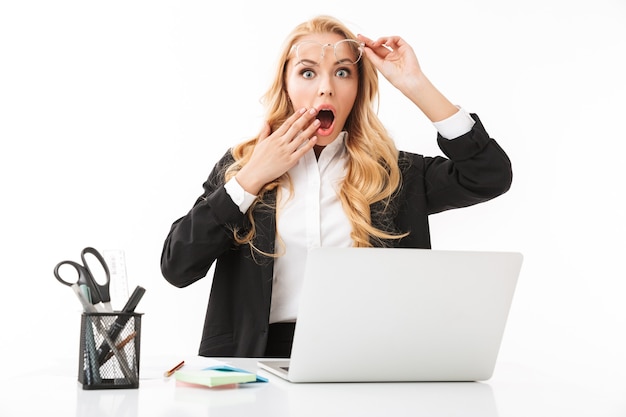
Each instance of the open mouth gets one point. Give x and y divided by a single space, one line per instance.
326 118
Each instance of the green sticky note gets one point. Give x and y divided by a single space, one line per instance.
213 378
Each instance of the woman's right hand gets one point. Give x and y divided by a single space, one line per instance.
276 152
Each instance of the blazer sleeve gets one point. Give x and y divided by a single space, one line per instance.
196 240
476 170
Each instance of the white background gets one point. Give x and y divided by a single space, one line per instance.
113 113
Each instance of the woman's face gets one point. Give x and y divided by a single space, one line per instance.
321 74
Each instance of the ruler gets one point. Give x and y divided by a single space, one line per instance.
116 261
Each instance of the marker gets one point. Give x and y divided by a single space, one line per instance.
92 371
169 373
120 322
82 292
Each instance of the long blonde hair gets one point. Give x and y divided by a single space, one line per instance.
372 172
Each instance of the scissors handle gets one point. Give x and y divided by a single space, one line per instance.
80 270
102 293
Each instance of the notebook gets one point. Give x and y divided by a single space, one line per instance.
397 314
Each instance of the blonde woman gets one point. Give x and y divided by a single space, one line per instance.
322 172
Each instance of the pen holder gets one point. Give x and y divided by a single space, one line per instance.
109 350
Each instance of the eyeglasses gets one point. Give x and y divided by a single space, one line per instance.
347 51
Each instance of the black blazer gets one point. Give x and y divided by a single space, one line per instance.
474 170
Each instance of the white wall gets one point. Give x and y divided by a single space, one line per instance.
113 113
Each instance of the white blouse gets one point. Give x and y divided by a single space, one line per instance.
312 217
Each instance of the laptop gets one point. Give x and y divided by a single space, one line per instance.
398 314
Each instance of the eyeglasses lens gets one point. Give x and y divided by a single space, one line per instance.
346 51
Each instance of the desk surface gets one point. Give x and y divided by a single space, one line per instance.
515 391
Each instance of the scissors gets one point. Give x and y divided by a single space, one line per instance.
97 293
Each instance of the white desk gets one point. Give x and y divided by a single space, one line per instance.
514 391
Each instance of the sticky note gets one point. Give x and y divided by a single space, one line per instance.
213 378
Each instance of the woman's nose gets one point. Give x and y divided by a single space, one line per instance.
325 89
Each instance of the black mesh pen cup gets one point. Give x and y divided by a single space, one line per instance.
109 350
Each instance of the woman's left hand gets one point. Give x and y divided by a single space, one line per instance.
397 62
394 59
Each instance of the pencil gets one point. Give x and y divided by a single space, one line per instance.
169 373
119 346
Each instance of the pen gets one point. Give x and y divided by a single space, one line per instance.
169 373
120 322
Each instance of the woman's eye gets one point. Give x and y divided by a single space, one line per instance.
343 73
308 74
